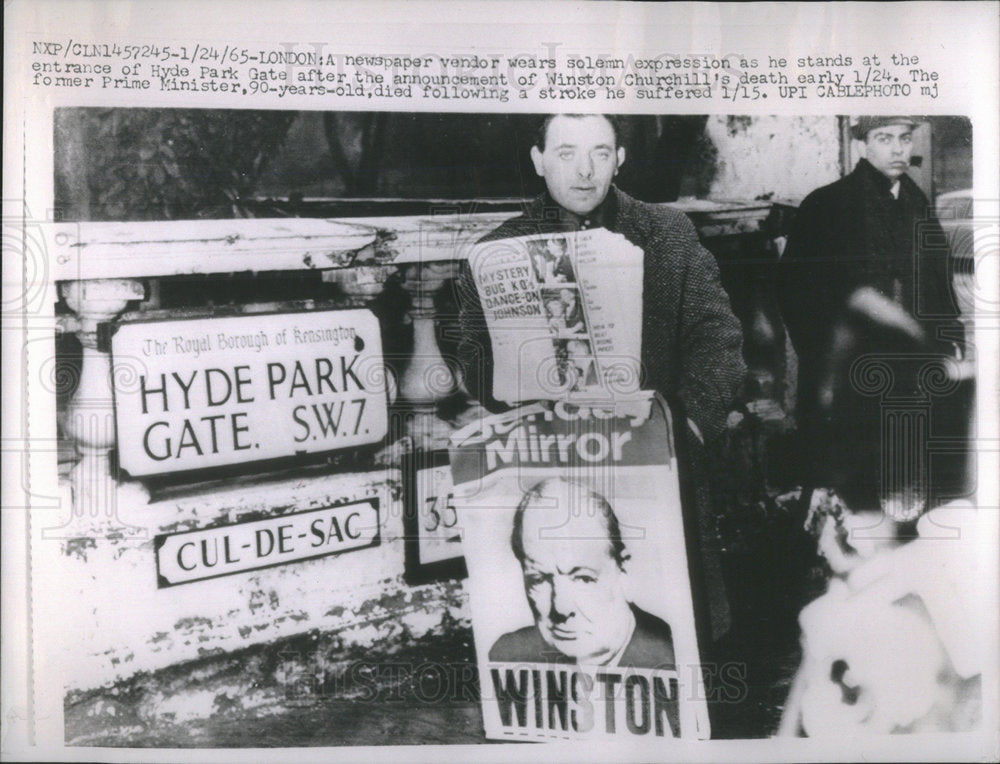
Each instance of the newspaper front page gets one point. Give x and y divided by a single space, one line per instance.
565 311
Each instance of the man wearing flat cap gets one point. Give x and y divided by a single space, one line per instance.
865 251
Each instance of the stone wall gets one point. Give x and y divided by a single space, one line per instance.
773 157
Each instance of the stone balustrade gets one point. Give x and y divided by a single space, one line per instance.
104 269
119 272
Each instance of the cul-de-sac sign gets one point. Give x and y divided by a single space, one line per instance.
196 555
209 392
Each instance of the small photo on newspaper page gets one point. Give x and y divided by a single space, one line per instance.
578 577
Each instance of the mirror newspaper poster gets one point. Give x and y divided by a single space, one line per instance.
581 604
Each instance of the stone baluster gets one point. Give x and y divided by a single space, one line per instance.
426 379
99 499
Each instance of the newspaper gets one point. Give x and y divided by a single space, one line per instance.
564 310
272 562
582 647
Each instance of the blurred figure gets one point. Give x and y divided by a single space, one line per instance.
894 644
865 291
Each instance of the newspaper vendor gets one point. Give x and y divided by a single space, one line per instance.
691 343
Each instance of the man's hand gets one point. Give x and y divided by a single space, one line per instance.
638 410
867 303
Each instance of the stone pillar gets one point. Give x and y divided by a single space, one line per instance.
98 497
426 378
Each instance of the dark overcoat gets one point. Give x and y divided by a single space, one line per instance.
850 234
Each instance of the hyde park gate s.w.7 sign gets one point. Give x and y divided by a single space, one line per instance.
210 392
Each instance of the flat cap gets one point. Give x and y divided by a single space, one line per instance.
864 125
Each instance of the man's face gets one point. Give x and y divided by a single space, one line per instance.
579 162
574 587
888 149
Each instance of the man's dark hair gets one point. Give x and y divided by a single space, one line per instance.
616 547
543 127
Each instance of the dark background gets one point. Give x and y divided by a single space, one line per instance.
173 164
